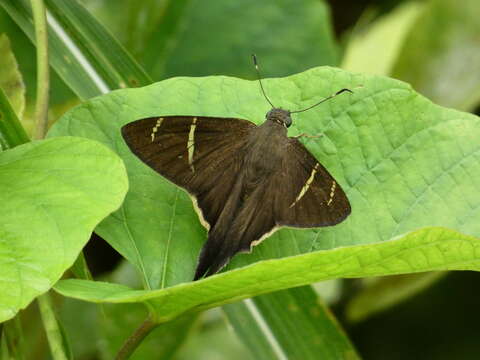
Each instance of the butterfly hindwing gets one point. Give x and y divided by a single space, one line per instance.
310 196
252 220
299 193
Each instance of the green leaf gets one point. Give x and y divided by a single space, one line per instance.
148 27
428 249
213 329
294 324
13 340
80 268
3 344
441 54
10 78
375 48
53 193
116 67
68 66
252 330
24 51
100 65
404 162
176 35
383 293
303 41
80 322
11 130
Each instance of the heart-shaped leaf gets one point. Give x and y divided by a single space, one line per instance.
52 195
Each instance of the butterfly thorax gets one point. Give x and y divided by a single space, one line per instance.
265 149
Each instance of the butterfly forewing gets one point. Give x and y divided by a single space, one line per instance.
200 154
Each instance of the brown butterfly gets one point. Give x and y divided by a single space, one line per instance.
245 180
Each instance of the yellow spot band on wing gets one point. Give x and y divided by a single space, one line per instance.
305 187
191 143
155 128
332 192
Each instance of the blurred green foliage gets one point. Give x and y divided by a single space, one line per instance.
434 45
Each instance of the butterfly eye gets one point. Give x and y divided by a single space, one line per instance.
287 121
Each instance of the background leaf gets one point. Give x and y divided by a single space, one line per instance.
53 193
433 45
295 324
24 51
10 78
11 130
66 63
375 48
382 293
441 54
196 47
109 59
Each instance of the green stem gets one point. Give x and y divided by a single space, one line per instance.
43 79
52 329
135 339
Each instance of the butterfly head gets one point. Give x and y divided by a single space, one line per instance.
280 116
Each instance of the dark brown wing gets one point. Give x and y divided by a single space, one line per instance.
300 193
309 195
200 154
254 219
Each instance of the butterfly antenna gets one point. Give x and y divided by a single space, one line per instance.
323 100
260 80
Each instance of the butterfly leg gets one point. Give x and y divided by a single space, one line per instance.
308 136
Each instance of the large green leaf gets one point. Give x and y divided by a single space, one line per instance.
53 193
423 250
404 162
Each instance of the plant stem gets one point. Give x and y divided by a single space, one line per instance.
52 328
43 79
131 344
